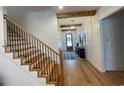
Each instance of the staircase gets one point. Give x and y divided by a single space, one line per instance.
34 53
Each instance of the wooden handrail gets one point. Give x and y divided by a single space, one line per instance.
6 17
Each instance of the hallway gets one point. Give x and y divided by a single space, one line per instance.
82 73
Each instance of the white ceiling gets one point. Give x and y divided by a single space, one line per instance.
20 9
74 8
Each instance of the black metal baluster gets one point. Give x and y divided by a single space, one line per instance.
56 71
15 36
54 65
7 32
10 36
23 43
50 61
38 55
21 50
41 57
43 60
30 48
26 46
26 39
35 53
17 43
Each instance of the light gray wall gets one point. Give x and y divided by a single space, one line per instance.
113 28
41 22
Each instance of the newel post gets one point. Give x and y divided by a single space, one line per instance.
62 68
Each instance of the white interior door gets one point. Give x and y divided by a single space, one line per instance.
107 45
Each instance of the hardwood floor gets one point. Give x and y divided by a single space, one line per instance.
82 73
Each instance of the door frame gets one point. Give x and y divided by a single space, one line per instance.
102 50
71 40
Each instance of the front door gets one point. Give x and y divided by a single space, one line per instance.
69 42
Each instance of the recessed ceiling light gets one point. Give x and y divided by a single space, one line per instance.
61 7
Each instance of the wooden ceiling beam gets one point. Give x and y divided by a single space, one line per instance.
76 14
75 25
68 30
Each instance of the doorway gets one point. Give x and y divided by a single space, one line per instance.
112 37
69 42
